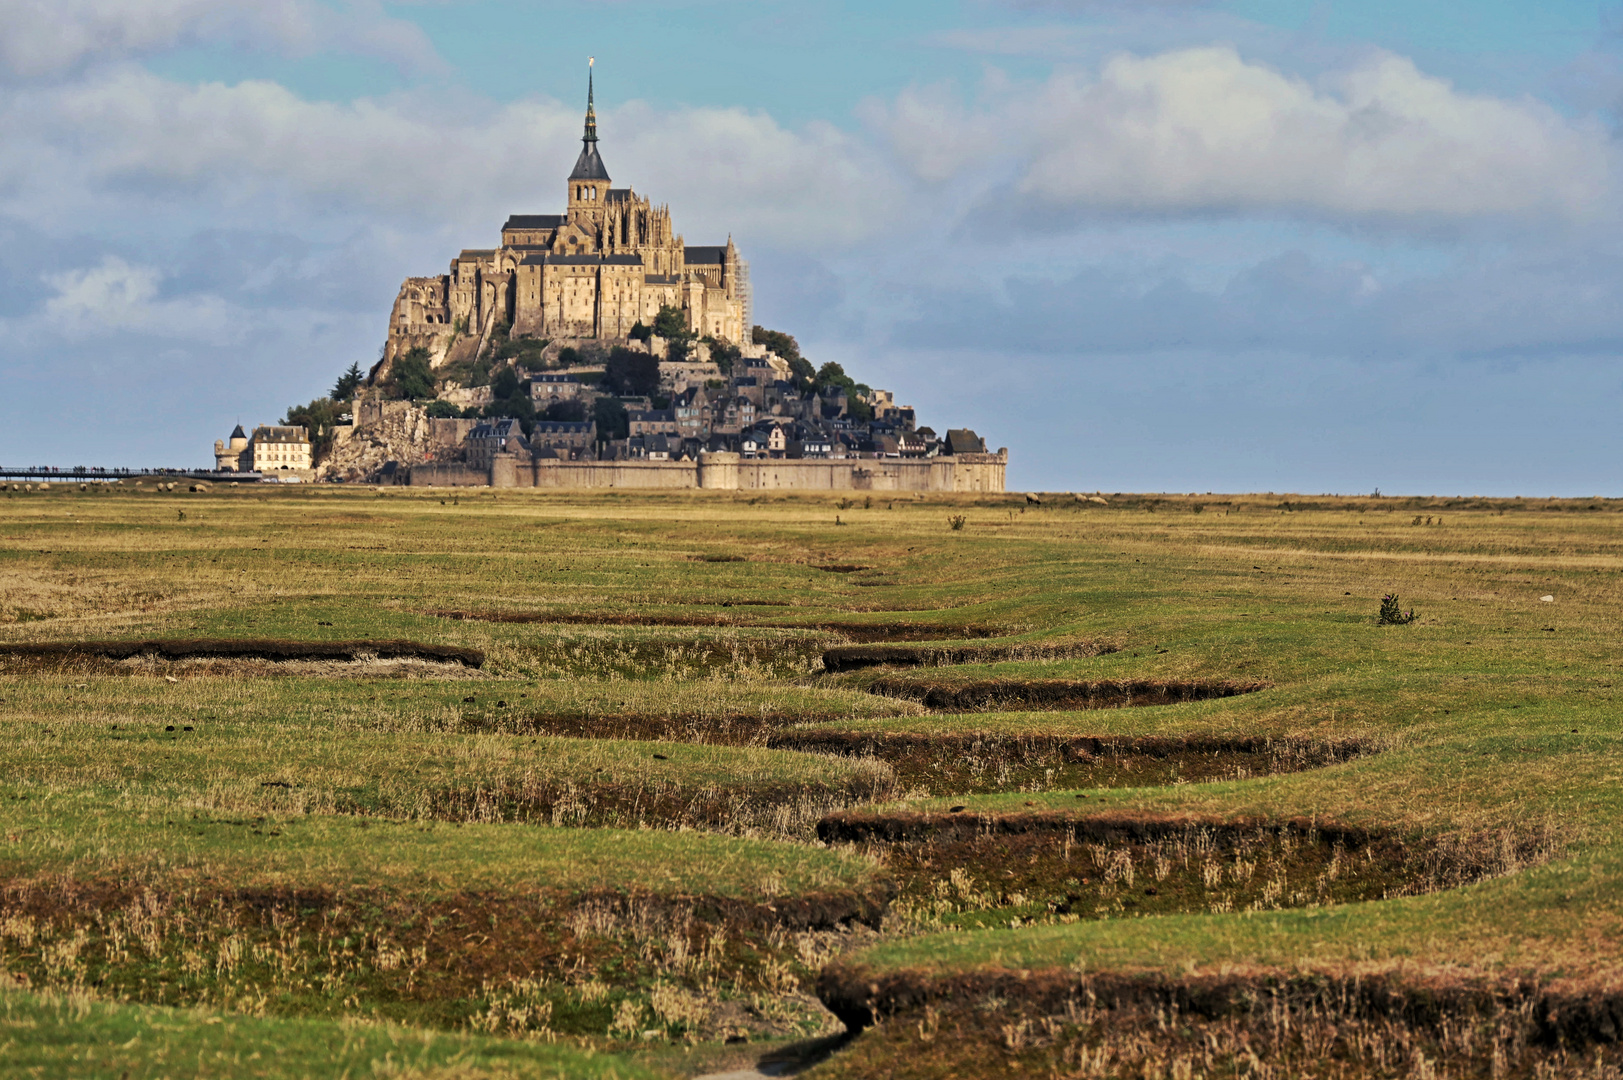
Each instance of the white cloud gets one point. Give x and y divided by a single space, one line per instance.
414 158
119 297
1200 131
49 37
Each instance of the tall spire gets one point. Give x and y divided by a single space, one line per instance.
591 112
589 166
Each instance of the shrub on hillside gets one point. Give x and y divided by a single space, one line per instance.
572 412
411 377
630 373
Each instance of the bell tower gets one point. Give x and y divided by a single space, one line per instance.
589 182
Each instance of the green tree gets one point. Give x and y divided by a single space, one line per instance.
641 332
441 409
349 382
724 354
412 378
612 421
505 383
519 408
317 418
788 348
670 323
631 373
802 370
571 412
779 342
511 398
833 376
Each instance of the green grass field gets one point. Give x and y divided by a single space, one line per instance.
598 853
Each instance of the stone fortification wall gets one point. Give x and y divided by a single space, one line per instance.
728 472
965 472
448 474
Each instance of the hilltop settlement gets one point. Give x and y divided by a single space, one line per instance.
596 348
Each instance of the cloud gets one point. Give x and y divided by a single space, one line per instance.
1204 132
1483 306
425 161
116 297
50 37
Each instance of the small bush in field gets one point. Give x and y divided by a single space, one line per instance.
957 522
1393 615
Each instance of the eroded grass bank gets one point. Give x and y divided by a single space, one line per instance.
1311 844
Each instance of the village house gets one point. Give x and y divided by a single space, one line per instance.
572 440
692 409
651 422
486 440
551 389
271 448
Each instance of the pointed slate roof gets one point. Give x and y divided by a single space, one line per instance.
589 166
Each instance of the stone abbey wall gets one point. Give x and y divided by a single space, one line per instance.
728 472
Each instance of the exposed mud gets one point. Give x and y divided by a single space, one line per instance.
995 695
237 651
854 631
1390 1023
962 869
967 763
854 657
971 762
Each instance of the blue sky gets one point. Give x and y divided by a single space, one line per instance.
1173 245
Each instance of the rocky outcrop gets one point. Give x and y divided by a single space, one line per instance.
390 431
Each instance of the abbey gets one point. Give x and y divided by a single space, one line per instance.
612 260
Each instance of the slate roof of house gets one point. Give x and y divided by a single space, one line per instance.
272 433
238 433
535 221
581 260
705 255
503 428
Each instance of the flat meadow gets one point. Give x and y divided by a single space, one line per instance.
336 780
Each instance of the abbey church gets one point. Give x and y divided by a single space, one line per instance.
612 260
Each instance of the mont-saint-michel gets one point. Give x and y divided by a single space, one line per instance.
597 348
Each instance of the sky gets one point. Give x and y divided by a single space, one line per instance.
1146 245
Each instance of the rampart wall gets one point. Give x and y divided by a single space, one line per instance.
728 472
